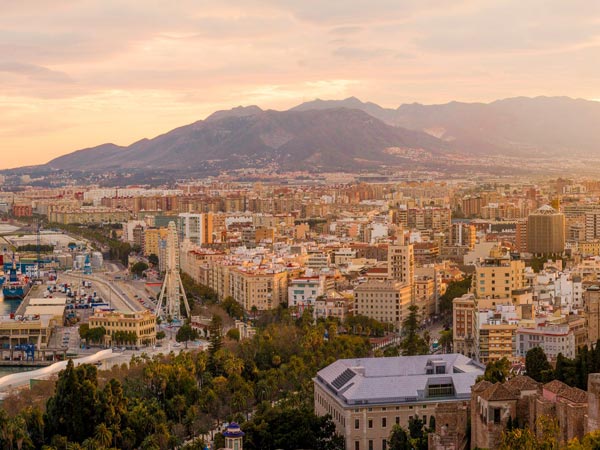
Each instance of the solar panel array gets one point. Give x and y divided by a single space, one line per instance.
343 378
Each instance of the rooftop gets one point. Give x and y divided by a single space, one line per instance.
402 379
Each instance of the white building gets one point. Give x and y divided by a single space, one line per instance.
303 292
553 339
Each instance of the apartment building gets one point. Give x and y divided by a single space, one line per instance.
495 329
553 339
197 228
497 276
152 238
386 301
261 288
463 309
303 292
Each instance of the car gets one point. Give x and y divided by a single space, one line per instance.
176 344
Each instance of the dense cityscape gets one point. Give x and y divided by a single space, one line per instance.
332 307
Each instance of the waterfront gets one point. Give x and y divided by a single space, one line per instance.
8 306
5 370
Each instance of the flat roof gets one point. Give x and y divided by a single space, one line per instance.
54 301
54 310
402 379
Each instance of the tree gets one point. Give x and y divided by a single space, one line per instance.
160 335
453 290
446 340
186 333
399 439
232 308
153 259
537 365
497 371
412 344
138 268
71 412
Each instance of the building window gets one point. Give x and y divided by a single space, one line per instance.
370 423
397 420
384 444
383 422
356 424
370 445
356 445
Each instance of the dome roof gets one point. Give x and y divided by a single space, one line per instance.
233 430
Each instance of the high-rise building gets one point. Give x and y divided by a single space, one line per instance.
197 228
401 262
462 234
592 224
546 231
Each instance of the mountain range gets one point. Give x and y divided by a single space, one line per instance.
350 134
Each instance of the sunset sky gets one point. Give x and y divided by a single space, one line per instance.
78 73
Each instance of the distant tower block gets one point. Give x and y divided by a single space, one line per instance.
172 293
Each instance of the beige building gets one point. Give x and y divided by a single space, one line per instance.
265 289
385 301
143 324
546 231
152 238
497 276
463 309
426 295
27 330
87 214
401 263
495 328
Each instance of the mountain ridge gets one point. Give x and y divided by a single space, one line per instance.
350 133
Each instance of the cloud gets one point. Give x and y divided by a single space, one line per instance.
139 67
35 72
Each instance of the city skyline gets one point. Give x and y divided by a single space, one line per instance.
75 75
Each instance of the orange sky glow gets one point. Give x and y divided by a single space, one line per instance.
76 74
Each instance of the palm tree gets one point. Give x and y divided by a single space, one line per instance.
103 435
90 444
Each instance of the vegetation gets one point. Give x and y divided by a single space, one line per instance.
412 343
153 259
92 335
537 365
138 268
413 439
162 401
546 437
573 372
454 289
289 428
197 292
124 338
497 371
186 333
363 325
446 340
35 247
232 308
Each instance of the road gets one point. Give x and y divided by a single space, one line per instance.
108 290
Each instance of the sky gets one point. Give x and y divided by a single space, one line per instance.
79 73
